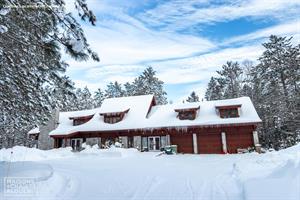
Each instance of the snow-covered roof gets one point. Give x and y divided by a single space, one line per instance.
228 102
35 130
116 105
186 106
159 116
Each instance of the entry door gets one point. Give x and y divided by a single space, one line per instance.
154 143
76 144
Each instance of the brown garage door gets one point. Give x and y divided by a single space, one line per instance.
209 143
184 142
238 140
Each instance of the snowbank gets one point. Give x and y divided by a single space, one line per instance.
111 152
99 174
20 153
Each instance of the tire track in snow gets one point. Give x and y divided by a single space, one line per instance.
190 188
145 189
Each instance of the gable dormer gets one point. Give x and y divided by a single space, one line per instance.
114 117
187 113
80 119
229 111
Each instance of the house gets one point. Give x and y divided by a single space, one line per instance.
222 126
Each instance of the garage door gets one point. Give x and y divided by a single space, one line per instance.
209 143
238 140
184 142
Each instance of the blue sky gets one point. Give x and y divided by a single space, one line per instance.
185 41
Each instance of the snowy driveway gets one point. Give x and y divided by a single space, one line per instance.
131 175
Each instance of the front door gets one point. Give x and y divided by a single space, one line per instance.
76 144
154 143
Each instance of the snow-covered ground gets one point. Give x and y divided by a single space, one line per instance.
128 174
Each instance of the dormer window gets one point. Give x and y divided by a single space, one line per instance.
229 111
114 117
81 119
187 113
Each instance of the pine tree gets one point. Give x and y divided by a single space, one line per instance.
63 94
114 90
98 98
193 97
30 61
129 89
215 89
148 83
278 72
231 76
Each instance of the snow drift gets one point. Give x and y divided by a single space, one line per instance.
118 173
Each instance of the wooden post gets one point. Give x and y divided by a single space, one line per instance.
65 142
256 142
224 144
255 138
195 143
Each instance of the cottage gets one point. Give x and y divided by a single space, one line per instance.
222 126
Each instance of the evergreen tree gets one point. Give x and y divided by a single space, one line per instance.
148 83
231 76
114 90
83 100
98 98
129 89
193 97
63 94
278 72
215 89
30 60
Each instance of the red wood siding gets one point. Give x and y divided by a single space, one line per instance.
208 138
239 138
184 142
209 143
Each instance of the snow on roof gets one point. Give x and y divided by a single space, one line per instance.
160 115
34 131
186 106
228 102
81 113
115 105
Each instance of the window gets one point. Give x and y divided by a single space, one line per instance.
187 113
112 119
80 120
144 143
190 115
77 122
229 113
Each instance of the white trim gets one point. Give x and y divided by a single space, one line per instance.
255 138
195 143
224 144
168 141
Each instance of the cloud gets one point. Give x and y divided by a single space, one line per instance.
127 43
180 14
290 28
